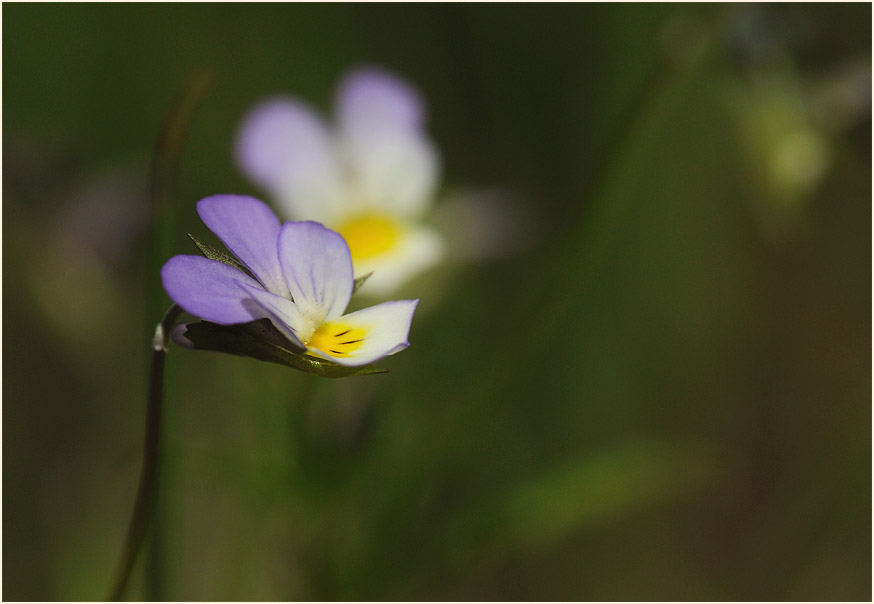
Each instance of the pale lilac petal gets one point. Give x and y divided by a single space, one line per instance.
284 147
317 268
282 312
208 289
371 99
386 330
250 230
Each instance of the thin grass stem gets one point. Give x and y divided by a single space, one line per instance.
147 492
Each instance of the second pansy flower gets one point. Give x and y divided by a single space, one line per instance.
371 177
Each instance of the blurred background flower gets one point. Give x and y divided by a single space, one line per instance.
370 177
662 393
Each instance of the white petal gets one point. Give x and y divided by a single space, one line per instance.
383 329
284 147
281 311
317 268
419 249
391 164
391 172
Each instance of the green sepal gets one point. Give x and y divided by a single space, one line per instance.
261 340
214 254
360 281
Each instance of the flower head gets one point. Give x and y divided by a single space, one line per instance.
300 277
370 177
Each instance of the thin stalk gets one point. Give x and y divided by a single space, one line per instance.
147 492
166 158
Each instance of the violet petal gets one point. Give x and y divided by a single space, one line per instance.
207 289
249 229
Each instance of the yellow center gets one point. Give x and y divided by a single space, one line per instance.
369 235
337 339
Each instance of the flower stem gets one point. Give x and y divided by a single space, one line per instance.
144 506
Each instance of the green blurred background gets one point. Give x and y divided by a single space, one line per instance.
660 391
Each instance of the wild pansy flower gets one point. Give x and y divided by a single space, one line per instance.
371 176
301 280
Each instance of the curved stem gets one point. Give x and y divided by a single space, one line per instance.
144 506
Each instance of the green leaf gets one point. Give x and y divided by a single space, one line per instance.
261 340
360 281
214 254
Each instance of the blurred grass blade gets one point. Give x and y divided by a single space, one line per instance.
167 155
604 487
162 179
584 493
162 183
